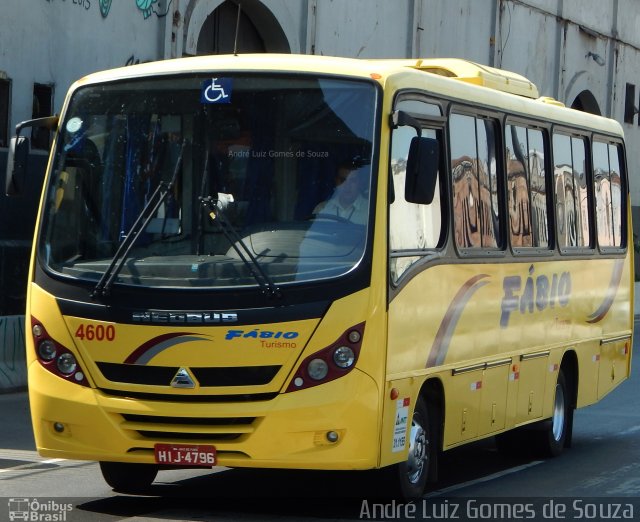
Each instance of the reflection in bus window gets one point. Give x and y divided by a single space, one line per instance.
475 202
608 194
572 204
526 187
583 213
412 226
616 194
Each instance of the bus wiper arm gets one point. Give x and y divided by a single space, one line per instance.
215 211
146 214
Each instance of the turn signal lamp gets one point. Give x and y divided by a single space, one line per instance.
331 362
54 357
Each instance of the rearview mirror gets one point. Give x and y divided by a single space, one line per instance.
16 165
19 154
422 170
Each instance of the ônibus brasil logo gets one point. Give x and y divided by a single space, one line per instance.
34 510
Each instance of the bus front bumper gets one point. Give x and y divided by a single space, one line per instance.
290 431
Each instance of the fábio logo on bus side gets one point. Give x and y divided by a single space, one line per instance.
539 293
260 334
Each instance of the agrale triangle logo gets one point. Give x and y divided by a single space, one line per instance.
34 510
183 379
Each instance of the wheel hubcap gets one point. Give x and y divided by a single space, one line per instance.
418 451
558 414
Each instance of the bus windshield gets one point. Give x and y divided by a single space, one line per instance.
211 182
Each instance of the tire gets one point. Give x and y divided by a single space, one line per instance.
128 477
556 432
542 439
412 475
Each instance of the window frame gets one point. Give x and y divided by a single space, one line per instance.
536 125
572 133
498 124
624 189
427 122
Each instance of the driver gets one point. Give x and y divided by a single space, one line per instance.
347 201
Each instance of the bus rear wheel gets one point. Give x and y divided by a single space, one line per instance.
546 438
551 440
128 477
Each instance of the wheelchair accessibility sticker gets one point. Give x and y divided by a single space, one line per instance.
216 90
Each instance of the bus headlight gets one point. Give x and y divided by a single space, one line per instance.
329 363
317 369
67 363
344 357
47 350
54 357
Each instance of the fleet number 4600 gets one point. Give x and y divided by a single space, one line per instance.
97 332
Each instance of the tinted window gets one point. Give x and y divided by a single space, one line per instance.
570 186
474 182
281 172
608 194
526 187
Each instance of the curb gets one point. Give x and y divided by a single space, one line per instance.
13 365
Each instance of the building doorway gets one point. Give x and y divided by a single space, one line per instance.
586 102
213 31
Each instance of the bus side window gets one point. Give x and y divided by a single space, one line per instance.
475 208
526 187
608 194
413 227
571 191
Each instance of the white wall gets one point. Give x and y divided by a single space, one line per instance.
58 41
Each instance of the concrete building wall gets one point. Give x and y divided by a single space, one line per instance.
356 32
57 41
456 28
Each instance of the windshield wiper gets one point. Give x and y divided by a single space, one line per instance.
203 184
146 214
216 211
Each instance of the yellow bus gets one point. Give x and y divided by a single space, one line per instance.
280 261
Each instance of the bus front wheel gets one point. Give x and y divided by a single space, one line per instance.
128 477
413 474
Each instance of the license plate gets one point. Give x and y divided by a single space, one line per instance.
185 455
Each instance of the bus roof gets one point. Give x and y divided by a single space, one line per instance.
449 77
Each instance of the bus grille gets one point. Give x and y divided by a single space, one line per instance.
180 429
167 397
162 375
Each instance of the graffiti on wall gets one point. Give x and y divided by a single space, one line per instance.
105 6
86 4
133 60
147 7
